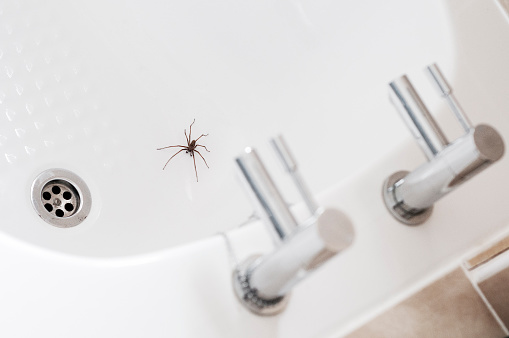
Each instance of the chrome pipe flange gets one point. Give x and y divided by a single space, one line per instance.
249 297
398 209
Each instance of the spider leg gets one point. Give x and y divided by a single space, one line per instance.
171 147
189 141
196 151
196 172
199 145
201 136
172 157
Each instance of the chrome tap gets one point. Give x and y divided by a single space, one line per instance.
409 197
263 283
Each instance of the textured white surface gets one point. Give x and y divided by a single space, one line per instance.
95 87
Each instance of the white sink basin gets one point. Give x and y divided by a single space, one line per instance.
96 87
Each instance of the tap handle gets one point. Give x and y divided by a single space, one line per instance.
284 153
290 166
440 83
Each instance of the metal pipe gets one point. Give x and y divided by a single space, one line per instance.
414 194
269 204
428 134
274 275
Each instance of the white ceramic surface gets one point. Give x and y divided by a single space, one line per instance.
95 87
129 100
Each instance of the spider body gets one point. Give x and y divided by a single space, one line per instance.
190 148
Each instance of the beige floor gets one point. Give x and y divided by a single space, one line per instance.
496 291
449 307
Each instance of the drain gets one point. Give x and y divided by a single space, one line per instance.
61 198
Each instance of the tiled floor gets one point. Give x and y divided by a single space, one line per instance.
496 291
450 308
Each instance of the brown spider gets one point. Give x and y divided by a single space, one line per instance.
190 148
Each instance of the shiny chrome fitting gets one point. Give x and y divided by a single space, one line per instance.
409 196
263 283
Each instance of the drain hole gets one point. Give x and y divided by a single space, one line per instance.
61 198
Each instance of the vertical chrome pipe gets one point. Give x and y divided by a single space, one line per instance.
290 166
269 204
428 134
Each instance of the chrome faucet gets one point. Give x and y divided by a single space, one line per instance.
409 197
263 283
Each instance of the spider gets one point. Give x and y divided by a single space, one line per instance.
190 148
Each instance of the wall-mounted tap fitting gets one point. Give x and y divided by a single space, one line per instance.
263 283
409 197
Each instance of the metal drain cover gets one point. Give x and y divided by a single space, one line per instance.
61 198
